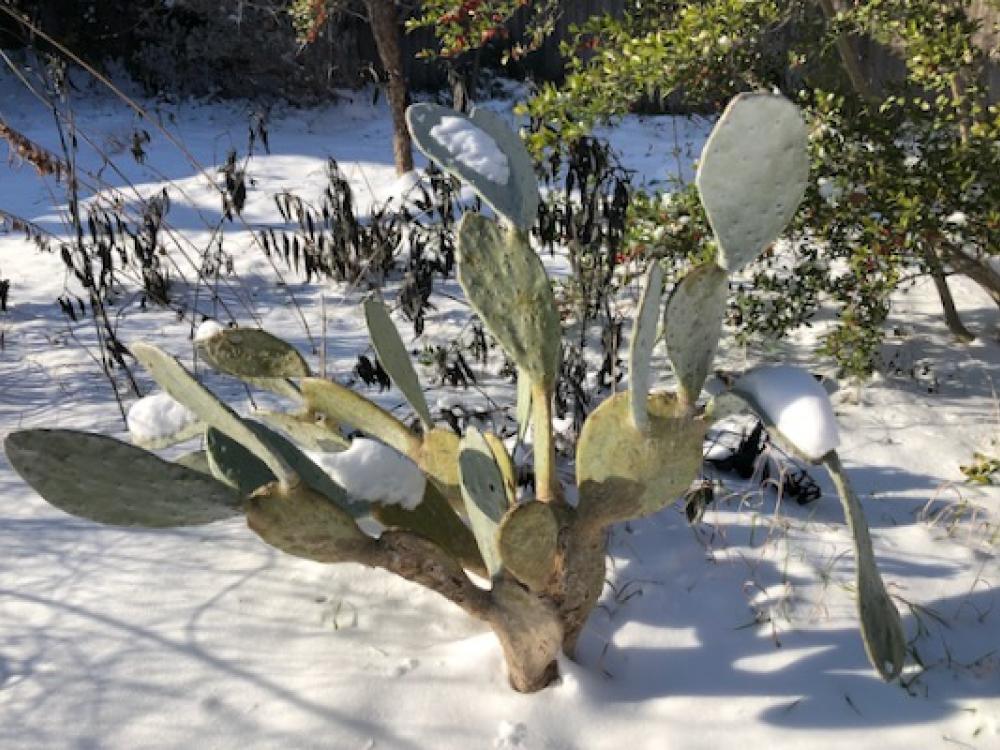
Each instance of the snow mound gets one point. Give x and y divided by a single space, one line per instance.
207 330
158 416
793 401
473 147
372 471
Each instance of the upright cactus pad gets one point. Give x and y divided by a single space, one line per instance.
752 174
457 141
506 284
528 542
395 359
692 323
485 493
641 346
110 482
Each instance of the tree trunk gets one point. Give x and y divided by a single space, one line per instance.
979 271
386 30
951 316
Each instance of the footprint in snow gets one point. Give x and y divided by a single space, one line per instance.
511 736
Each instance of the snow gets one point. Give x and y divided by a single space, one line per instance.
207 330
741 627
372 471
158 416
473 147
796 404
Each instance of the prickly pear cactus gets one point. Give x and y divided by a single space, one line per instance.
540 559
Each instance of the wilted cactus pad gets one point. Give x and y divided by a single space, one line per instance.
634 473
110 482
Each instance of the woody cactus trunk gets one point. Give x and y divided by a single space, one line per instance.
541 559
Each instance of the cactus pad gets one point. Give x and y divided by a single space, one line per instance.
528 537
438 459
236 466
881 629
179 383
641 346
693 321
485 494
752 174
506 284
345 406
395 359
110 482
306 524
305 430
434 519
197 461
517 198
623 473
252 353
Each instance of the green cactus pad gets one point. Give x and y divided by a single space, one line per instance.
111 482
179 383
252 353
345 406
506 284
623 473
504 462
528 538
752 174
306 524
723 405
233 464
881 629
305 430
195 460
437 457
435 520
523 404
517 200
641 347
395 359
485 494
693 322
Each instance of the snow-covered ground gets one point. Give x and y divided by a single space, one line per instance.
738 631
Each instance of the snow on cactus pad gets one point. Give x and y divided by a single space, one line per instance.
752 174
372 471
158 420
482 151
792 402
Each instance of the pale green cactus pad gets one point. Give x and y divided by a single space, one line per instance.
641 346
345 406
233 464
252 353
395 359
506 284
504 462
516 199
752 174
435 520
693 321
178 382
437 457
881 629
484 491
304 523
110 482
528 537
195 460
623 473
305 430
523 404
